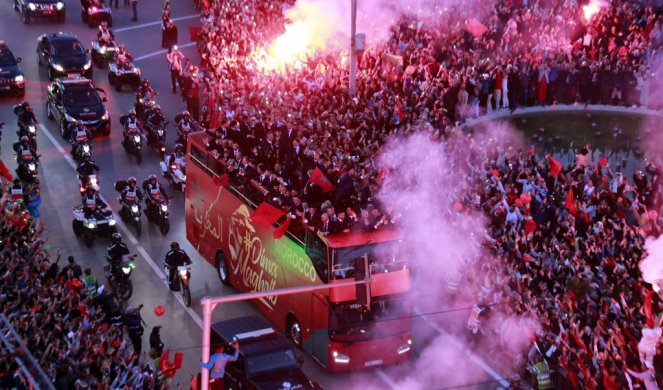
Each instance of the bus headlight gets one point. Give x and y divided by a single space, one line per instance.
405 348
134 208
340 358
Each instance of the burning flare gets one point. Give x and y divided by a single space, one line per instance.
592 8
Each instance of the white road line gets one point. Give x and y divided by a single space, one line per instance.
194 316
476 359
163 51
386 379
154 23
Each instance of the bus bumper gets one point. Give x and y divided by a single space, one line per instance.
370 353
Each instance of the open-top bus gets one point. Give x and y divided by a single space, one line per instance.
337 329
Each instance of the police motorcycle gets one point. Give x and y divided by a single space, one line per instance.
80 149
145 101
27 161
103 52
96 222
130 211
87 180
181 281
156 134
119 277
185 126
123 72
28 129
133 142
94 12
173 168
157 209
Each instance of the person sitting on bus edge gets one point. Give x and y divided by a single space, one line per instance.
155 193
217 362
79 134
176 257
92 201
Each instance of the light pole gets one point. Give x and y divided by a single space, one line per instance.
353 48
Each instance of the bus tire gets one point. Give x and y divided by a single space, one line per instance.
294 331
222 268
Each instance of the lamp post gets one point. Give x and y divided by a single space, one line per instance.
353 48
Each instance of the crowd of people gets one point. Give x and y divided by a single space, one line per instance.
566 241
76 330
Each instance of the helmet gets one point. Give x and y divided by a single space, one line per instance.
79 123
103 24
86 155
120 46
157 107
116 237
132 112
25 105
132 179
174 245
178 147
25 138
90 188
152 177
186 113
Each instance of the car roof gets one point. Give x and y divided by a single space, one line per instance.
3 45
61 36
74 81
255 335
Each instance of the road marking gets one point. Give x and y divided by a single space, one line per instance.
386 379
476 359
137 26
163 51
194 316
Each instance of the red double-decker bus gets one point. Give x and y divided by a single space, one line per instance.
339 331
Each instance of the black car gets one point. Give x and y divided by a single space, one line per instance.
267 360
30 9
63 55
73 99
11 77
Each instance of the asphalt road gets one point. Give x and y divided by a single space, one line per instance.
181 327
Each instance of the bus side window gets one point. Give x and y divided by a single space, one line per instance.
199 158
217 166
317 251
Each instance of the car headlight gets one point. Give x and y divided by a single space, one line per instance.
91 225
137 138
405 347
32 6
59 5
340 358
126 270
69 118
86 149
58 67
87 65
32 167
32 129
106 116
164 208
19 78
134 208
111 222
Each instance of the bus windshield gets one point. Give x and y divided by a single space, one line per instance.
382 257
350 321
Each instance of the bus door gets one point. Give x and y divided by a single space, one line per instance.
319 336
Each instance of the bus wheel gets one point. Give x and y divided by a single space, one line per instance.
294 331
222 268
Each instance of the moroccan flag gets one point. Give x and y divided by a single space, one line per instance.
530 226
530 152
318 178
222 180
4 172
194 33
570 202
603 161
555 166
167 367
265 215
280 231
649 312
399 110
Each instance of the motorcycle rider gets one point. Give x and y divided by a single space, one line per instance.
184 125
132 127
86 168
92 201
25 151
122 54
79 135
105 35
131 194
155 193
16 190
116 250
25 115
144 89
176 257
156 120
177 157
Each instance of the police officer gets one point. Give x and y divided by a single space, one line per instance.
123 54
25 114
542 372
177 157
92 201
87 167
131 194
25 151
176 257
134 323
132 126
105 35
80 134
155 193
155 120
115 251
90 283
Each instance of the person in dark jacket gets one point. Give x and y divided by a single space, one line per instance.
134 323
156 346
169 35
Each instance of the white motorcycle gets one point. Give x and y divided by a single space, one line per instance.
174 172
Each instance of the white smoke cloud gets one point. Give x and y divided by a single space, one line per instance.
652 265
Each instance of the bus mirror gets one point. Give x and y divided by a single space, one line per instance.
362 273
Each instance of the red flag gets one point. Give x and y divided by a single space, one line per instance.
4 172
570 202
495 172
194 33
280 231
318 178
603 161
530 152
399 110
223 180
555 166
265 215
649 312
530 226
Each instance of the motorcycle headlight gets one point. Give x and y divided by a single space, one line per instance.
59 5
32 129
93 10
19 78
160 132
102 50
106 116
58 67
69 118
111 222
91 225
136 70
164 208
134 208
87 65
340 358
86 149
94 181
32 167
182 272
32 6
126 270
137 138
404 348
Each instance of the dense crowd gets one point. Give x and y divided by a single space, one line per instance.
76 330
569 260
